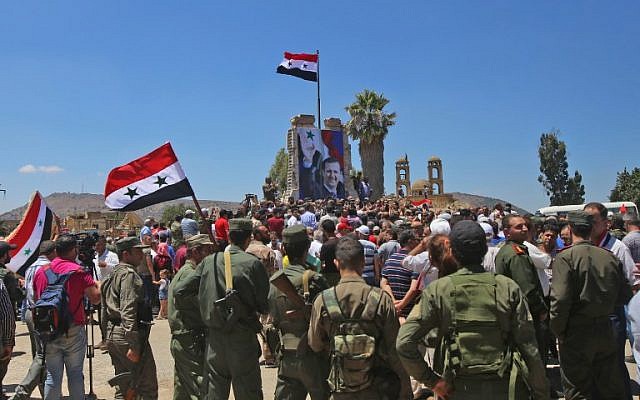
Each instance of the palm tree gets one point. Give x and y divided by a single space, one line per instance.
370 124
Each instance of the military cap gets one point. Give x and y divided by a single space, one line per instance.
295 234
580 217
47 247
6 246
467 235
198 240
128 243
240 224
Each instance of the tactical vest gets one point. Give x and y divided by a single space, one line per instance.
353 349
478 341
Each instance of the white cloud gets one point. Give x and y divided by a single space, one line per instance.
47 169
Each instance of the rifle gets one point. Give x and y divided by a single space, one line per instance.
302 305
130 379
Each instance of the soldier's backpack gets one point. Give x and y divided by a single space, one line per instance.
52 316
352 348
478 342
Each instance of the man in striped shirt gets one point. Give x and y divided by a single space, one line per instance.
400 282
371 272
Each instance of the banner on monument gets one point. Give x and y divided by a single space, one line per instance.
320 163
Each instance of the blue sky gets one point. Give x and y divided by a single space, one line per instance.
87 86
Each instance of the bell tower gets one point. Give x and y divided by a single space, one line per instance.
403 180
434 173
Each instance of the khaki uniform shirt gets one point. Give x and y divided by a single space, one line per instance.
514 262
352 294
121 294
435 311
184 310
588 282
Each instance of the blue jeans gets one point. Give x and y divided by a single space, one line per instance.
67 352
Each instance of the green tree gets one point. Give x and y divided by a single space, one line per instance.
554 174
170 212
627 186
278 170
369 124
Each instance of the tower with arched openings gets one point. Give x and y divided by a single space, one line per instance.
403 179
434 173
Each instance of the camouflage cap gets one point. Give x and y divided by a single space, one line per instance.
295 234
580 217
128 243
198 240
240 224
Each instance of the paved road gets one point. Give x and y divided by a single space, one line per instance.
103 370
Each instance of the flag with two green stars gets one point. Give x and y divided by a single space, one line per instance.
151 179
36 226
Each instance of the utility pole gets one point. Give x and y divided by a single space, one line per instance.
4 192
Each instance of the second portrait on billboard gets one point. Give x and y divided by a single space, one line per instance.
320 164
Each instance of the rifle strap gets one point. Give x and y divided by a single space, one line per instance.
228 277
305 283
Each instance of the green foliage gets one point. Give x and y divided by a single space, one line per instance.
368 121
278 170
554 172
627 186
369 124
170 212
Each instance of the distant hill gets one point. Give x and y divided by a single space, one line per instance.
474 200
64 204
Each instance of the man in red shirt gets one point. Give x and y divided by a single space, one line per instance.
276 223
222 230
67 351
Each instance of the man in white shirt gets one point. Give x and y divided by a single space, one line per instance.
104 260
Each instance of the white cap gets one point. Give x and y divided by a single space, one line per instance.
445 216
187 212
488 229
440 225
363 229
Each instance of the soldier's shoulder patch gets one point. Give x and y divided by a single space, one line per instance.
518 249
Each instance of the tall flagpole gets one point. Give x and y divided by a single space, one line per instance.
318 81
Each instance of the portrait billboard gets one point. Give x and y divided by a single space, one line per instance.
320 163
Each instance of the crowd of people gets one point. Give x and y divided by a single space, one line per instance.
349 299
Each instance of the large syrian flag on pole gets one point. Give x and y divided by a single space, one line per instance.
153 178
36 226
302 65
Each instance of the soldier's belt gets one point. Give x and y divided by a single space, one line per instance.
189 332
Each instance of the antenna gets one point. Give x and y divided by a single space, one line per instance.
4 192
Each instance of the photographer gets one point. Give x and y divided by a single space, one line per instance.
68 350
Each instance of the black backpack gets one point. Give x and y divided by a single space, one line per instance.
52 317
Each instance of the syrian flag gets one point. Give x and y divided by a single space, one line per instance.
36 226
302 65
151 179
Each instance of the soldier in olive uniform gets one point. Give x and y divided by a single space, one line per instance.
301 370
588 283
494 323
231 316
353 295
514 262
187 329
128 321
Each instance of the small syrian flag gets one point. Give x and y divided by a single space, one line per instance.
302 65
36 226
151 179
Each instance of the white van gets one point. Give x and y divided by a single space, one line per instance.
613 207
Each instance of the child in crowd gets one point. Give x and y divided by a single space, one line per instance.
163 293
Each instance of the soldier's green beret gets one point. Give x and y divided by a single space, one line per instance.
295 234
198 240
580 217
240 224
129 243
